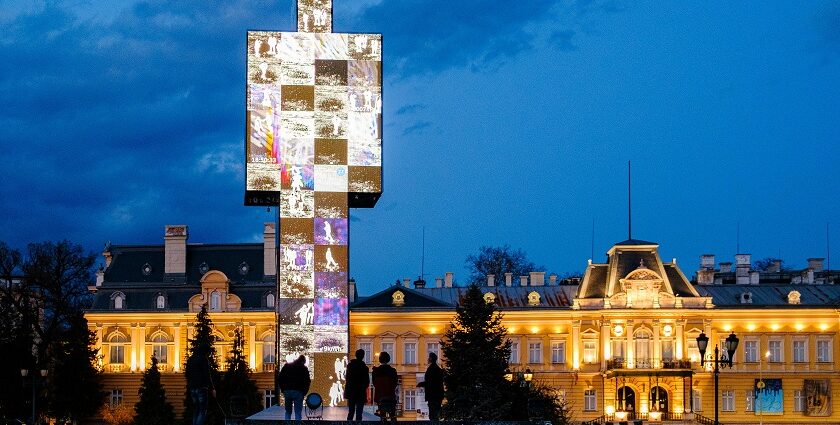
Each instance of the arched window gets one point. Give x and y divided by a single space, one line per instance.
116 351
269 356
215 301
643 349
119 300
269 300
159 347
160 301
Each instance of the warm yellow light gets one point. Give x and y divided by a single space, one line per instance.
767 354
618 329
133 360
535 330
667 329
727 328
433 330
558 329
655 416
678 409
253 360
609 410
511 329
364 331
751 327
824 327
799 326
775 326
621 415
644 408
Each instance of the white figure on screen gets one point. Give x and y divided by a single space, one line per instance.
368 97
361 43
309 259
297 179
353 103
257 46
336 122
331 263
336 395
305 18
374 46
304 314
264 71
341 368
328 236
272 45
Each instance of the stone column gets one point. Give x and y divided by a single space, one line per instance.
576 344
605 343
252 345
176 356
142 363
680 339
631 349
657 347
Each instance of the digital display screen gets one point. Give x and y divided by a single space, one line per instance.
313 146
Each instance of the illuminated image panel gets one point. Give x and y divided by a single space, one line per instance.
330 231
294 284
331 311
330 285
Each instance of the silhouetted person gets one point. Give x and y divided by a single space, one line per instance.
433 383
385 388
358 381
199 383
294 381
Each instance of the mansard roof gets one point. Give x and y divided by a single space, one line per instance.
772 296
446 298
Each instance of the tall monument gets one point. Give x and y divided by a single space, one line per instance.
313 147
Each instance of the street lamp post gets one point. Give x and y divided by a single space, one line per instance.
24 373
731 344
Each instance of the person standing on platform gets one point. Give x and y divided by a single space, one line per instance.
385 388
199 382
433 383
358 381
294 381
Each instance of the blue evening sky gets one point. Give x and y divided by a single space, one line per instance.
505 123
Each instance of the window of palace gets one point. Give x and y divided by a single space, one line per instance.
410 400
118 298
268 398
618 348
116 397
558 352
160 301
432 347
643 346
269 352
751 350
667 349
691 350
728 400
800 349
116 349
367 346
534 351
388 347
798 401
514 352
698 400
824 350
410 352
590 401
590 351
774 346
269 300
749 401
159 347
215 301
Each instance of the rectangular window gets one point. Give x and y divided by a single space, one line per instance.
268 355
728 400
751 351
388 347
368 347
800 353
117 354
824 350
750 401
698 401
534 352
589 401
618 349
590 353
410 350
268 398
514 352
798 401
116 397
558 352
667 350
433 347
160 353
775 349
691 350
410 400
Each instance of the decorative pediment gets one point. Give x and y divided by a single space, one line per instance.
410 335
642 288
388 334
398 298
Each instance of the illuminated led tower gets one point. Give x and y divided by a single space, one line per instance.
314 147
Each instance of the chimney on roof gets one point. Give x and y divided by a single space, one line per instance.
552 279
491 280
707 261
419 283
508 279
537 278
406 282
523 280
742 269
775 266
175 250
726 267
438 282
351 290
449 277
269 250
816 264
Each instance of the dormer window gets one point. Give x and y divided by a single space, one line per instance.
203 268
119 300
215 301
269 300
160 301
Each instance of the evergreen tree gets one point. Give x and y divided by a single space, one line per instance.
238 392
153 409
203 337
476 350
75 382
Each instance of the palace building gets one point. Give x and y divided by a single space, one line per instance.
619 342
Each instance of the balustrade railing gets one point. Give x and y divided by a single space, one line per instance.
648 363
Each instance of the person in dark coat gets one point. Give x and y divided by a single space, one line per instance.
385 388
199 383
294 381
433 383
358 381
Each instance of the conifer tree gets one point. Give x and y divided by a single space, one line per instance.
75 384
153 408
238 392
476 350
204 338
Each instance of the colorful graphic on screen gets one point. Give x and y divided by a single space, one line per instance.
313 147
